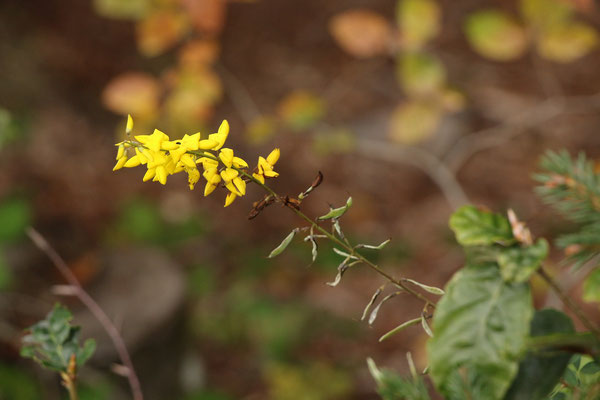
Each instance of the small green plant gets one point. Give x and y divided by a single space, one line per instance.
54 344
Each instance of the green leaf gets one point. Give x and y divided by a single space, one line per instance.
539 373
567 42
420 73
285 243
518 263
474 227
480 327
418 21
52 341
85 352
591 287
496 35
337 212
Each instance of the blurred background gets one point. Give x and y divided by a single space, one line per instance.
412 107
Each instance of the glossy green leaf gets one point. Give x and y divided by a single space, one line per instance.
337 212
496 35
539 373
418 22
480 328
518 263
420 73
591 286
283 245
475 227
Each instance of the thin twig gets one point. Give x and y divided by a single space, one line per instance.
94 308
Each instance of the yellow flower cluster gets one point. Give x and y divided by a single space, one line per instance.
164 157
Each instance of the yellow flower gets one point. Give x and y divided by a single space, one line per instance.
229 199
265 166
154 141
193 176
221 136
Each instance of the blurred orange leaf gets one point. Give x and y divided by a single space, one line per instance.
197 53
361 33
300 110
193 95
420 73
496 35
418 20
208 16
160 31
133 93
414 121
567 42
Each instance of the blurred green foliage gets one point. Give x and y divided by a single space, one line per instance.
17 385
16 215
141 221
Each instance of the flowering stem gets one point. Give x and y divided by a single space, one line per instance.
401 282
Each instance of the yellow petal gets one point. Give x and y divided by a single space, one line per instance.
147 154
193 177
209 188
120 163
240 184
208 144
273 157
229 174
188 161
226 156
133 162
231 187
239 163
259 178
129 126
150 173
229 199
161 174
168 145
120 152
271 174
